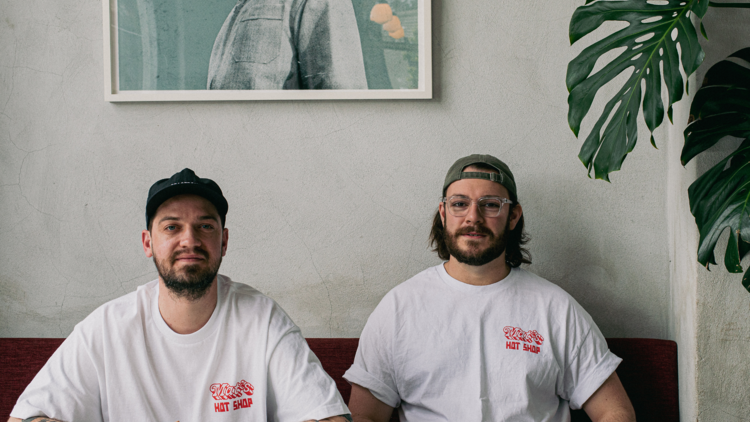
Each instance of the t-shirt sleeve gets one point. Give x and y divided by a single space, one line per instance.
299 389
590 362
66 387
373 363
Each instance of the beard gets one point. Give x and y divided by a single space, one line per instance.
473 255
194 281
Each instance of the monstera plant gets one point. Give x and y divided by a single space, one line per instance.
720 198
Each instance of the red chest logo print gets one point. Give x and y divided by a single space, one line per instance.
230 397
531 339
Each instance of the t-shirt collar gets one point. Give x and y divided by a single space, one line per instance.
472 289
205 331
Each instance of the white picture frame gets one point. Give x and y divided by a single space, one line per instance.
145 66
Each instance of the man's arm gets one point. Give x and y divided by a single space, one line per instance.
340 418
365 407
610 403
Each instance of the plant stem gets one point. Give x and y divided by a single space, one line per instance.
734 5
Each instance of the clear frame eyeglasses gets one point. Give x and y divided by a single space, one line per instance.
489 206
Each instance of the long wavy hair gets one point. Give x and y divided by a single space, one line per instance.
515 253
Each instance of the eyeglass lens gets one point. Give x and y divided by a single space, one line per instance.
458 206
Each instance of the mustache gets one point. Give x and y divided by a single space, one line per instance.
194 251
474 229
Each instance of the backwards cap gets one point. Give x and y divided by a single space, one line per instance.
503 177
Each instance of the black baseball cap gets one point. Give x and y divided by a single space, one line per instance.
185 183
503 177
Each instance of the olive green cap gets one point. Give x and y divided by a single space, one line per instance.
504 177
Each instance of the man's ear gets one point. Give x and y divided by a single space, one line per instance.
146 239
515 216
441 210
224 240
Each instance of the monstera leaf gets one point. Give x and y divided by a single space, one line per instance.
650 41
720 198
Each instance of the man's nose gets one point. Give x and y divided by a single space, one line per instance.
190 238
473 213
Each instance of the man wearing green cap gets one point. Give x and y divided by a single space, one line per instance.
478 338
191 345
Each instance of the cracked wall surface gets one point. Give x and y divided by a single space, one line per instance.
330 202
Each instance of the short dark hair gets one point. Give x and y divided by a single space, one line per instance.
515 253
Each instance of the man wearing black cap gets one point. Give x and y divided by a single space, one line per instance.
477 338
190 346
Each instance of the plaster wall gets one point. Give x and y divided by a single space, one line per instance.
330 202
722 305
683 243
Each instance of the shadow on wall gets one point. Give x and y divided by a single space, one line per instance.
728 32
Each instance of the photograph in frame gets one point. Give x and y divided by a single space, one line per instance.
214 50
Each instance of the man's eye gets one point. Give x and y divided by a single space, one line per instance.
170 228
491 205
459 204
207 226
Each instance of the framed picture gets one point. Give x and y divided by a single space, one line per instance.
217 50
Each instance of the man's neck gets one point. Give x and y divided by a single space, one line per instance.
186 316
478 275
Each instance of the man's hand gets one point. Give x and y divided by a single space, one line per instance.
340 418
610 403
366 407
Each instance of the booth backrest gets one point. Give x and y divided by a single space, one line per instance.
648 371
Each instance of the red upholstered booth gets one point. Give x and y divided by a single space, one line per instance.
648 371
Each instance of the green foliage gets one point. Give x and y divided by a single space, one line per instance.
649 47
720 198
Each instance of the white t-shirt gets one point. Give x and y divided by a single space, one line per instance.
520 349
124 364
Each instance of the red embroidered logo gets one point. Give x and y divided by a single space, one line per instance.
229 392
527 337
